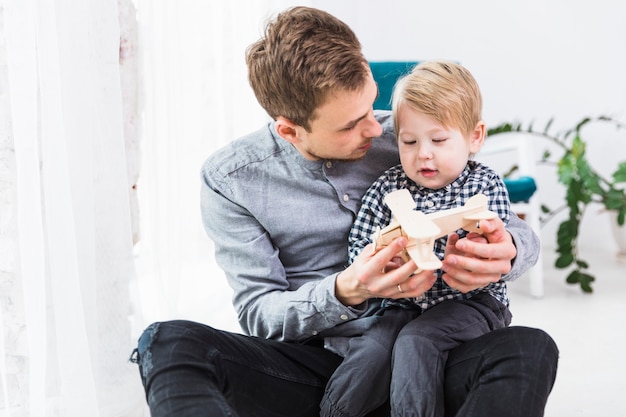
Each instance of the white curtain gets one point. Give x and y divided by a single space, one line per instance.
66 352
196 98
94 245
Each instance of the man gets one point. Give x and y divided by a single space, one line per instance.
279 204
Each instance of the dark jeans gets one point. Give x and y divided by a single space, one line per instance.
189 369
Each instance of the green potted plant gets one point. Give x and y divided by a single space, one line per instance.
583 186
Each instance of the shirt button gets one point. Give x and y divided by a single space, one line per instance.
430 204
344 317
346 198
329 164
315 332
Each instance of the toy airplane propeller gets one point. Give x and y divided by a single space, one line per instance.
423 229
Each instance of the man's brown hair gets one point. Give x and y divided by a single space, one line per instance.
305 56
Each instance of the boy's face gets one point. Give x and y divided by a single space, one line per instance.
344 126
432 155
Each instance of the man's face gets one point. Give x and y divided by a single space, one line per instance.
344 127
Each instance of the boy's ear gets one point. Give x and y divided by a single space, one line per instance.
477 137
287 130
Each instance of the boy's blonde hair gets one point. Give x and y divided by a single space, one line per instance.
442 90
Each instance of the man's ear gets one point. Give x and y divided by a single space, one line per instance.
477 137
287 130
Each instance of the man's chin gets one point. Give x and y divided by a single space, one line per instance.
353 158
356 155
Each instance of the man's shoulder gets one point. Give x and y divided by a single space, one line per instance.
249 149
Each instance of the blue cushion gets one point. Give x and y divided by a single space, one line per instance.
520 189
386 73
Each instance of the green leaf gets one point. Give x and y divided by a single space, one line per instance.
585 282
564 260
592 182
566 169
568 230
573 277
578 147
615 199
504 128
576 192
582 264
620 174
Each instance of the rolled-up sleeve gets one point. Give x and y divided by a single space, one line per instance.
527 244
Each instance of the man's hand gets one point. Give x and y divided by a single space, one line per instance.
381 274
478 260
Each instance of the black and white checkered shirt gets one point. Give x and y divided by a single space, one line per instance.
476 178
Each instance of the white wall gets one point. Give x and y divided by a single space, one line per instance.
534 60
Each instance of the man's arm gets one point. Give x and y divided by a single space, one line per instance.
268 304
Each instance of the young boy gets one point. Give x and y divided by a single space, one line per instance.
437 116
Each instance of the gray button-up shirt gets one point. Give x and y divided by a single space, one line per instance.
280 224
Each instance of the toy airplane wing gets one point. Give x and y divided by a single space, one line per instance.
476 210
414 223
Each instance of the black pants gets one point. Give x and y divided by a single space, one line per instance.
189 369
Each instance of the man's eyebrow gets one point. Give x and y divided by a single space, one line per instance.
354 122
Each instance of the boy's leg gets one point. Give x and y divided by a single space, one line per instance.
508 372
361 383
189 369
422 348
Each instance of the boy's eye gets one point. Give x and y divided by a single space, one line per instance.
439 140
409 142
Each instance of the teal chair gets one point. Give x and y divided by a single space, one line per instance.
386 73
514 149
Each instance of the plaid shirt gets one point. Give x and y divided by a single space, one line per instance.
476 178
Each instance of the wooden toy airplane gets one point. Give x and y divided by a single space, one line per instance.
423 229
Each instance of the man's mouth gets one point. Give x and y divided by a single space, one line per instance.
366 146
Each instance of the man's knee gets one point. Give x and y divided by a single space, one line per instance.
534 342
160 338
